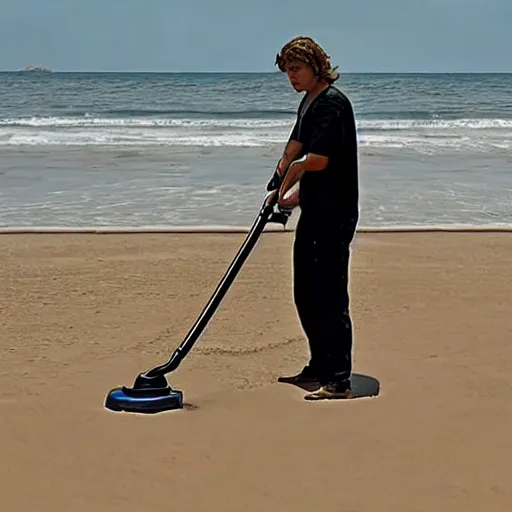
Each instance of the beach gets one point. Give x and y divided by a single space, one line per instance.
83 313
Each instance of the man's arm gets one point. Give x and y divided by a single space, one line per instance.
290 153
309 162
325 135
294 146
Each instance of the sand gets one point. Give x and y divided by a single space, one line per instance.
81 314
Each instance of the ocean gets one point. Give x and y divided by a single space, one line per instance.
197 149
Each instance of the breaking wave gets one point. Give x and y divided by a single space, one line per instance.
421 134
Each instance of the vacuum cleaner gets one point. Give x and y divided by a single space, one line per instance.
151 392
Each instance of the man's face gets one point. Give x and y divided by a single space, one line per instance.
300 75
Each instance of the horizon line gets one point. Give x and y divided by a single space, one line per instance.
254 72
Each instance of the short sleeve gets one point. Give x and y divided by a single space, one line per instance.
326 128
295 131
295 134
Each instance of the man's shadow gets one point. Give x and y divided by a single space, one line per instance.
362 385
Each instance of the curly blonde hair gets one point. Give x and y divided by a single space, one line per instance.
305 49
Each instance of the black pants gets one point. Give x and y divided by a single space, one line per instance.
321 256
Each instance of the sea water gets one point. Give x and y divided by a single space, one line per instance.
196 149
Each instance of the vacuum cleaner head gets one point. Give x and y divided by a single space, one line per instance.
147 396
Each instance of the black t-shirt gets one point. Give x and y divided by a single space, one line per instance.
327 127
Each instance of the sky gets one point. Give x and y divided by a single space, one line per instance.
244 36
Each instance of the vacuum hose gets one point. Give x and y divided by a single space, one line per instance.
267 213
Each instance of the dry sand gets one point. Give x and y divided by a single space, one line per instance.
81 314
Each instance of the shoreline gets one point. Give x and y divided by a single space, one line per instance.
274 228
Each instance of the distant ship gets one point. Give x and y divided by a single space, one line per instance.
37 69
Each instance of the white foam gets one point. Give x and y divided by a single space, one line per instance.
423 135
152 122
437 124
93 122
127 138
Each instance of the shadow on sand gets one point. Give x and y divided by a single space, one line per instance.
362 386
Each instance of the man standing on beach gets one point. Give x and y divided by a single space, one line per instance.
321 157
